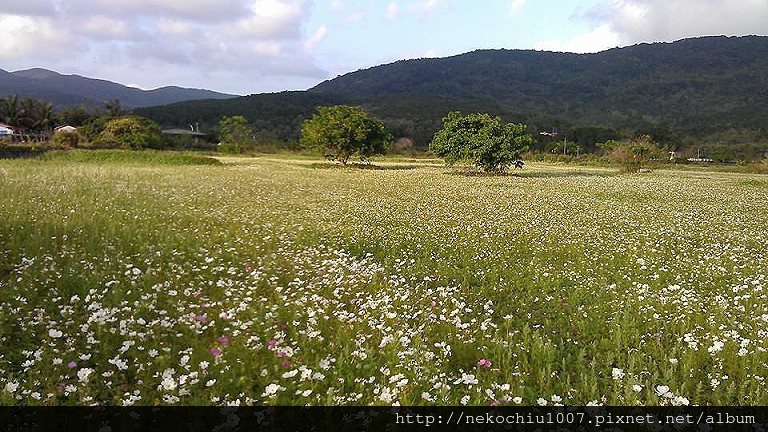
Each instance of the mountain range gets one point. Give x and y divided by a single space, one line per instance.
68 90
710 88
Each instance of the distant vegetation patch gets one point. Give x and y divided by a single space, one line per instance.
752 182
361 166
130 157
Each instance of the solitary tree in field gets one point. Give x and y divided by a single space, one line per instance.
633 155
344 131
234 133
485 141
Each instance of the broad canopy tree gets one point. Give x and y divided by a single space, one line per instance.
485 141
343 131
235 134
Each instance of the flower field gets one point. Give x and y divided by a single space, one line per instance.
278 281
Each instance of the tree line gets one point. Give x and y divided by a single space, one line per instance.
341 131
480 140
37 116
108 126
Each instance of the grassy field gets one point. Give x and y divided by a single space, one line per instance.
278 281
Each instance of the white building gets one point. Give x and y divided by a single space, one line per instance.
66 128
6 130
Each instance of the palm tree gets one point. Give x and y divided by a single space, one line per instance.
10 112
44 118
113 107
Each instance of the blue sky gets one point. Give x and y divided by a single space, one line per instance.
369 33
254 46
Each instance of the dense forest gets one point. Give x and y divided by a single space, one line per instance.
706 93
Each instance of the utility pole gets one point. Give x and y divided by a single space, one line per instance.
552 135
565 145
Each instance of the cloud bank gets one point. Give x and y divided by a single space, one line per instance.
627 22
245 46
183 42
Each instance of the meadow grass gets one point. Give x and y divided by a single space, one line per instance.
273 281
129 157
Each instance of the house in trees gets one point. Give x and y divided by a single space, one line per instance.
6 130
65 128
185 138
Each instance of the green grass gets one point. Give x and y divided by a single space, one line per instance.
375 286
128 157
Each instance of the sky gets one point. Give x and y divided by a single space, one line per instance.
258 46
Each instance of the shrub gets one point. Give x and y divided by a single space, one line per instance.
66 139
131 132
634 155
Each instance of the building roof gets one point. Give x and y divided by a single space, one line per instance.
6 130
66 128
184 132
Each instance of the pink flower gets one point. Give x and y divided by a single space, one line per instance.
215 351
271 344
286 363
484 363
223 340
282 354
72 364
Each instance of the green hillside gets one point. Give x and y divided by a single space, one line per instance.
701 92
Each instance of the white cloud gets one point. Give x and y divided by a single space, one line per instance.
626 22
599 39
667 20
266 49
269 18
425 6
198 10
516 6
28 7
350 14
252 45
101 26
174 27
24 35
355 16
393 9
316 38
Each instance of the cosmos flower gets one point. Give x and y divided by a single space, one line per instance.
483 363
